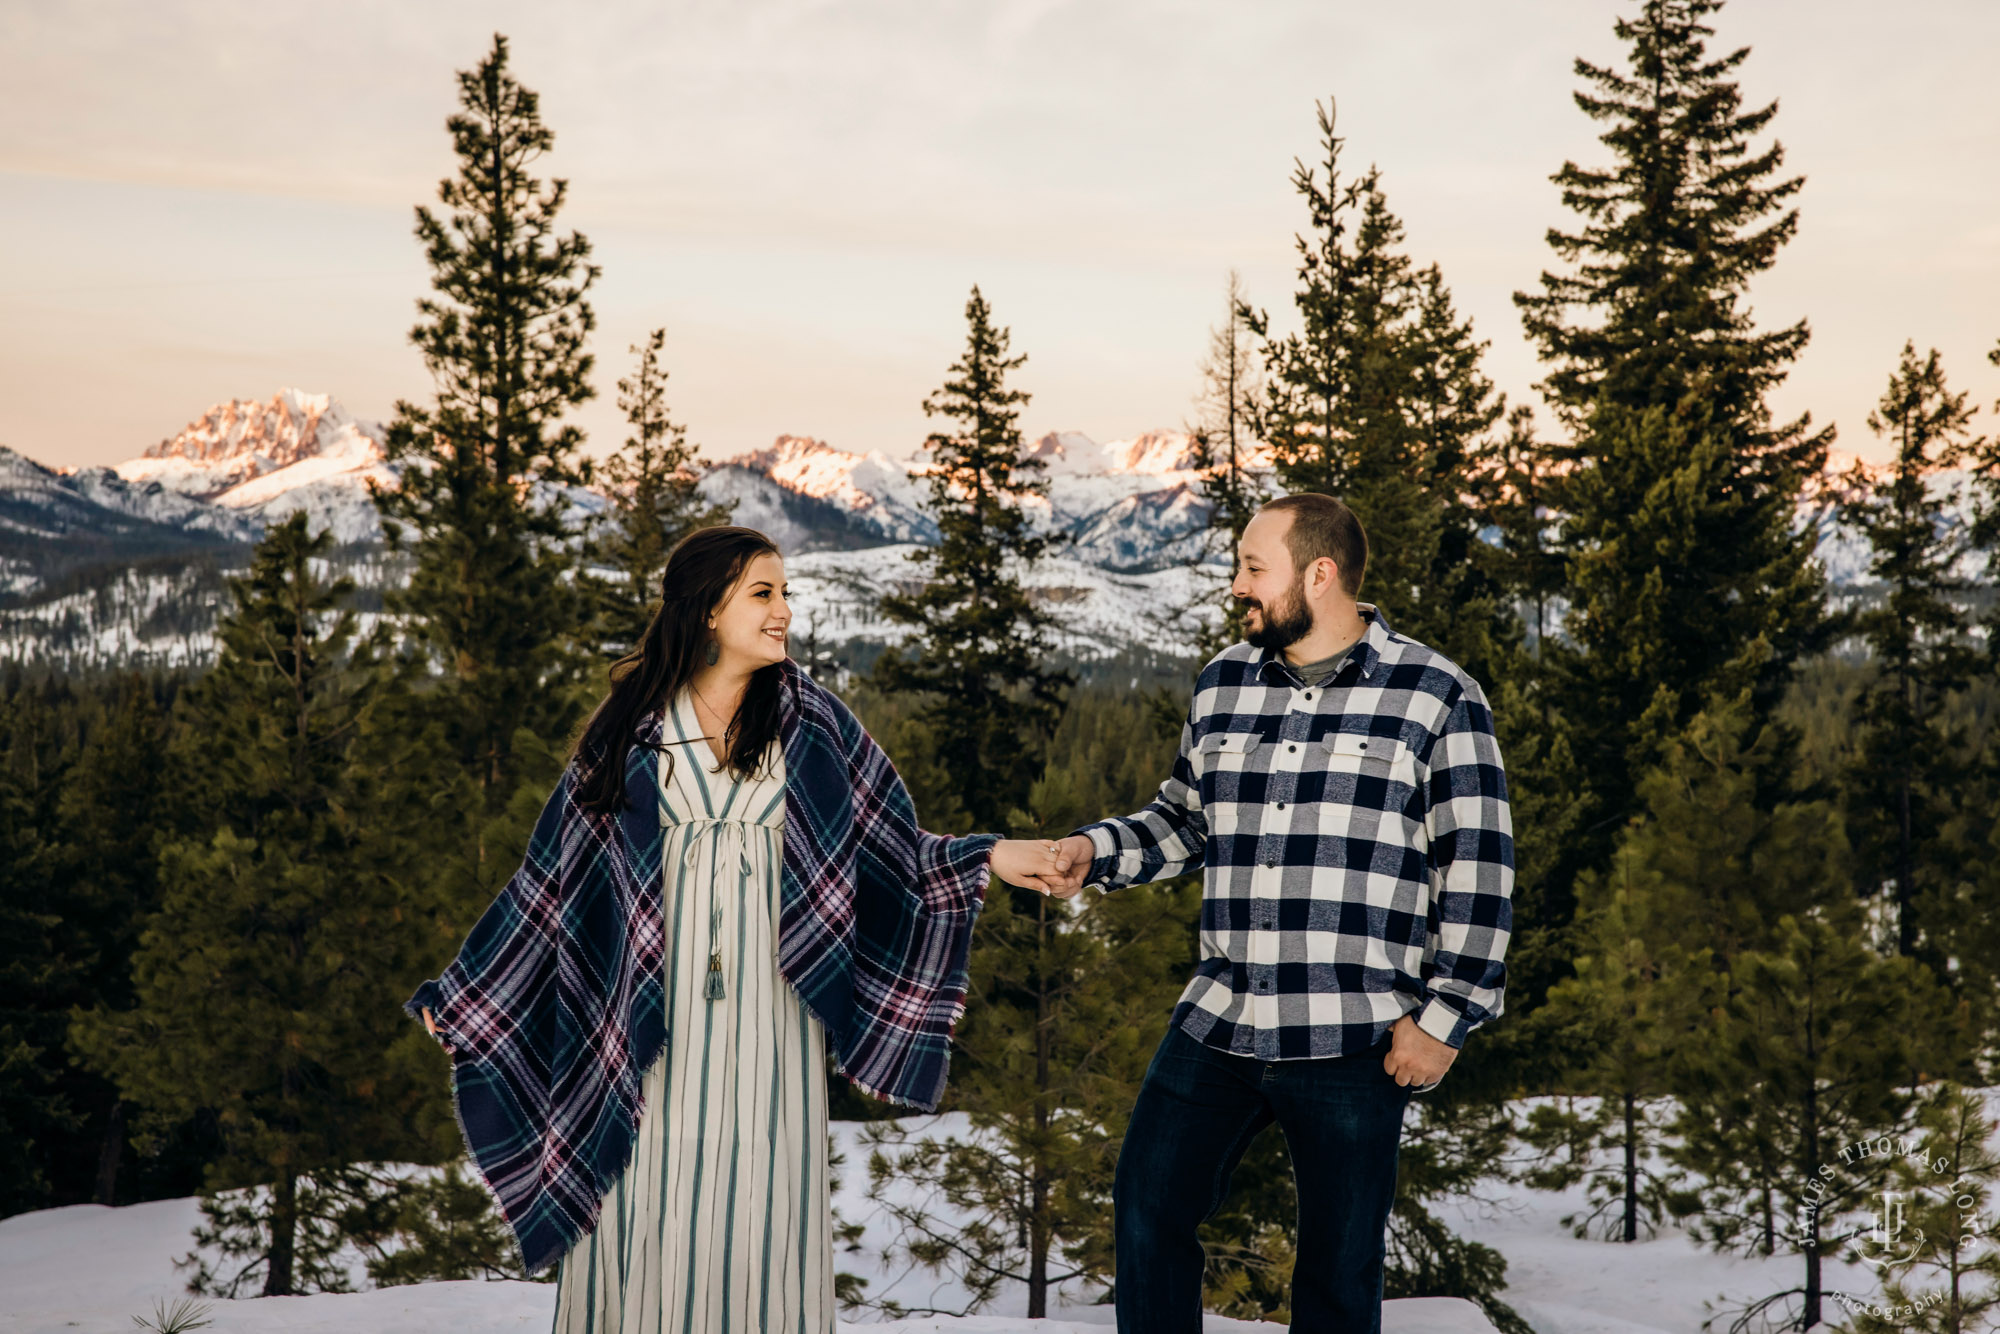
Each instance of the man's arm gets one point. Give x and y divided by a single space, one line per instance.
1164 840
1471 862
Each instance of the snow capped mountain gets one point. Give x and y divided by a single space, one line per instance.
241 439
80 549
266 460
54 502
1129 505
809 496
57 527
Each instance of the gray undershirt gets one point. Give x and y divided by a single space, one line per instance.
1313 672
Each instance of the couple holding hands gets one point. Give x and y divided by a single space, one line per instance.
729 884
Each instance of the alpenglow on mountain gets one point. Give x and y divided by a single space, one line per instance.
125 565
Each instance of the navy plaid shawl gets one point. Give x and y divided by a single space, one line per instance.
555 1008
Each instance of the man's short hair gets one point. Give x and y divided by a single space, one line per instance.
1323 526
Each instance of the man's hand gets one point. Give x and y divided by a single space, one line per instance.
1073 857
1415 1057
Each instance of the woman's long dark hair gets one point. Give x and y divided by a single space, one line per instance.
701 571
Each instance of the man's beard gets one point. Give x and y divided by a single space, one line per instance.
1285 624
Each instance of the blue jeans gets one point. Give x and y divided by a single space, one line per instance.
1199 1108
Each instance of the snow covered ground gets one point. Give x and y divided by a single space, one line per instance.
91 1269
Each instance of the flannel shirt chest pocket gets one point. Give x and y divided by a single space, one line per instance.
1372 781
1232 770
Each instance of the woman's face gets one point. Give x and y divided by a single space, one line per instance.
752 621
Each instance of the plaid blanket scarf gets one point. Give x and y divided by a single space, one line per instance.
555 1006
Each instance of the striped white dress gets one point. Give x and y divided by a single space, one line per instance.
721 1221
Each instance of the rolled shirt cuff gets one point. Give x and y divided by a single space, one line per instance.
1104 855
1437 1018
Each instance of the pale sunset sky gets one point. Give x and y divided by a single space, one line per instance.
211 200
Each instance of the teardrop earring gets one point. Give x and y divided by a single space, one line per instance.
714 652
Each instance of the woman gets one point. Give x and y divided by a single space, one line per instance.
728 881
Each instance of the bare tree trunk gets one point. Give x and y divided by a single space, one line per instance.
284 1236
110 1153
1631 1168
1038 1172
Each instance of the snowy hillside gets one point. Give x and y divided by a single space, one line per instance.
91 1269
1099 612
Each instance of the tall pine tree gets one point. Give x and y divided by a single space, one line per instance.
1688 575
655 501
1067 1003
979 662
1908 772
259 983
482 468
1815 1049
1230 463
980 641
1379 400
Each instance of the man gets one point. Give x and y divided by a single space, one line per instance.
1341 787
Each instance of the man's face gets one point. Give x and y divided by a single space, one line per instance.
1268 587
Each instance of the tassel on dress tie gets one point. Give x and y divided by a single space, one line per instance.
712 988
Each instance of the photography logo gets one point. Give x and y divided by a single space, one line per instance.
1918 1214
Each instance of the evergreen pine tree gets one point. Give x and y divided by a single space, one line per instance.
1729 841
259 983
1463 605
1630 995
654 502
1907 773
1336 393
1068 1002
1951 1184
1688 575
1230 464
83 801
980 641
114 814
1813 1051
1379 400
483 467
978 661
33 1108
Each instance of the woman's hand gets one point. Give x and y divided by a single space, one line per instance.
1032 863
427 1022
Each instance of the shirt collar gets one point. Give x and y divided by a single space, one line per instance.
1272 665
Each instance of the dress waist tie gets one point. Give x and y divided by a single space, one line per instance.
740 829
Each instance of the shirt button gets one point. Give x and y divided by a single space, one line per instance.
1309 694
1281 805
1291 747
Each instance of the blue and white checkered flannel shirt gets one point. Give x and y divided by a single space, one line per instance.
1356 843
